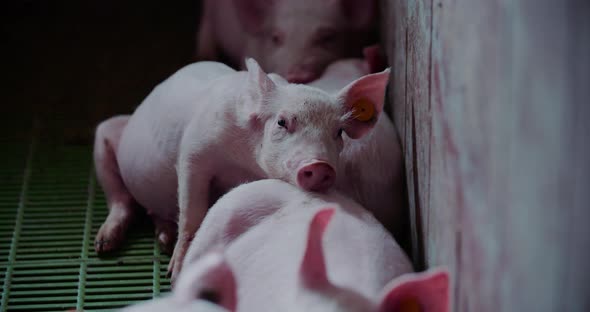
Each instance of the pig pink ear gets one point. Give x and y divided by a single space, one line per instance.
260 86
363 102
210 279
252 13
313 267
417 292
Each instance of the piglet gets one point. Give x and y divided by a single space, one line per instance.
208 128
317 252
372 165
294 38
207 285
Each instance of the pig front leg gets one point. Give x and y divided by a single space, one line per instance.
194 180
236 213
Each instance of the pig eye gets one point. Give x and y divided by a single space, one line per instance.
282 123
340 132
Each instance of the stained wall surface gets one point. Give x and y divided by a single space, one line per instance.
491 101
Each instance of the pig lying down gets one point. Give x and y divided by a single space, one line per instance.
285 249
208 128
294 38
309 251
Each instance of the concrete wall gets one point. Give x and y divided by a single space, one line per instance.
491 100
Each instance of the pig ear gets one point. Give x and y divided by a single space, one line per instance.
260 86
417 292
313 267
210 279
252 13
363 101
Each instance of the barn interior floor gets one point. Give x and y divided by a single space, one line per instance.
66 66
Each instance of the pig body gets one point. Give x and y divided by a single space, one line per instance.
295 38
316 252
208 128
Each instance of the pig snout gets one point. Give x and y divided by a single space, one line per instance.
317 177
301 75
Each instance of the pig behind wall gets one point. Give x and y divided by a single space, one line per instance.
294 38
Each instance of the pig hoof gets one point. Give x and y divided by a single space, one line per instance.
109 238
166 235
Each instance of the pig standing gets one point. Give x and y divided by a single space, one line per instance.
207 285
294 38
341 260
208 128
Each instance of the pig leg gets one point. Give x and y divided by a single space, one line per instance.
165 233
195 173
236 213
119 200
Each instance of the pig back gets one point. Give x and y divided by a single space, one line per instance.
359 253
150 142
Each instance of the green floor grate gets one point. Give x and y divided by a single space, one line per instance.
50 210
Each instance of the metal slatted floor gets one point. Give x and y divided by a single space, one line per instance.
50 210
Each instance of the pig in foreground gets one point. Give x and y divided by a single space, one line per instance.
294 38
312 252
207 129
208 285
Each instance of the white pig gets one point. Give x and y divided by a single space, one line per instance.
373 164
207 129
301 251
295 38
207 285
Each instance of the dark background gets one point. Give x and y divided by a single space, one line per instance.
67 65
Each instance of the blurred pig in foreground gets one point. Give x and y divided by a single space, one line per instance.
294 38
312 252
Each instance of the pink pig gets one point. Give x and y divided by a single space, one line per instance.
317 252
372 165
294 38
207 129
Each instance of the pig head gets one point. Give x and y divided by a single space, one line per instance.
303 126
294 38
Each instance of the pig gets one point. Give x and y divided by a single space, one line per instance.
373 164
207 285
295 38
208 128
317 252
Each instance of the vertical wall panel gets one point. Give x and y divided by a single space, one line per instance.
491 100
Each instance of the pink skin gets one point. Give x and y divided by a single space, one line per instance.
206 286
294 38
314 251
207 129
373 164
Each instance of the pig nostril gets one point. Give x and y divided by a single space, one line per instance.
308 174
